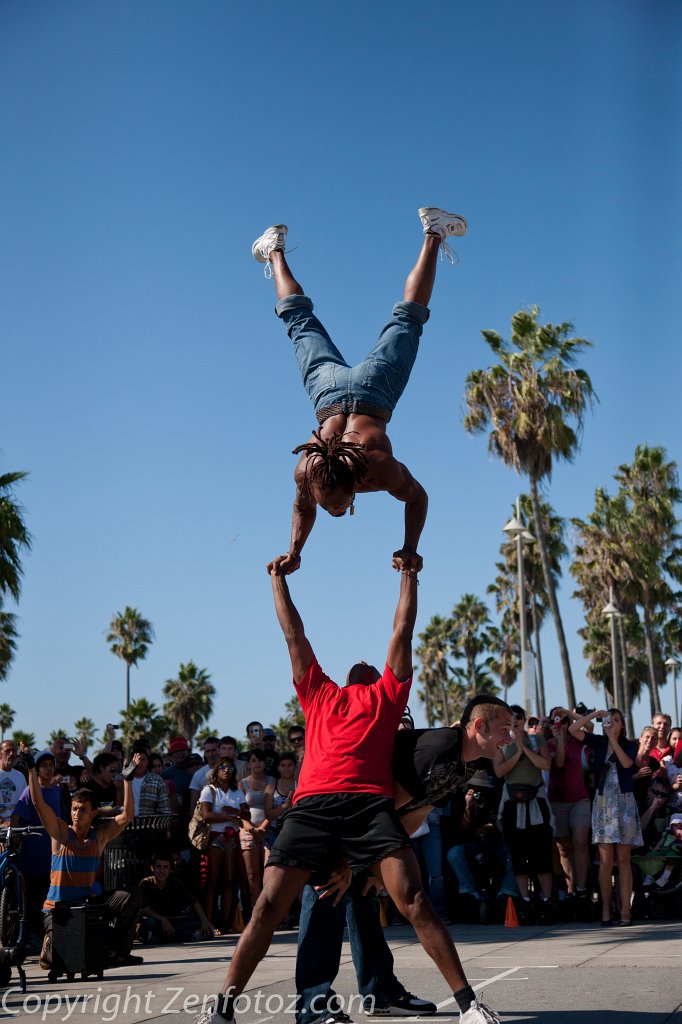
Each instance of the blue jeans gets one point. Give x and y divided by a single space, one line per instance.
429 852
378 381
320 938
458 859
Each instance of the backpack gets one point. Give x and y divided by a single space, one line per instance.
199 831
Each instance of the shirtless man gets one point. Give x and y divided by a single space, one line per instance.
351 453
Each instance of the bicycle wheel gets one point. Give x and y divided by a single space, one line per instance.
12 903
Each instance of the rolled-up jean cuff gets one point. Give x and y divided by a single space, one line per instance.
414 310
301 302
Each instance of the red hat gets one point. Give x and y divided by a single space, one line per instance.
178 743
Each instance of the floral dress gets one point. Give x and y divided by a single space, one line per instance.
615 818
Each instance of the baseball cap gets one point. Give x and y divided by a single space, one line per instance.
177 743
269 734
42 755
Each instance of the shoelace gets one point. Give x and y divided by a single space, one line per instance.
490 1015
445 248
267 269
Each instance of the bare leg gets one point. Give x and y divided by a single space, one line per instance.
605 878
280 888
285 281
624 879
581 855
400 874
420 280
565 848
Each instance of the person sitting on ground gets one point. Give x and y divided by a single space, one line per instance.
351 453
76 857
169 912
670 849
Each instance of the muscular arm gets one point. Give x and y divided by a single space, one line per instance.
54 826
399 657
302 521
300 651
390 475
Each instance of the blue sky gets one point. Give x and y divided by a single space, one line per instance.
150 390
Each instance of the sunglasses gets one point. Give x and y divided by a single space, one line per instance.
297 739
226 767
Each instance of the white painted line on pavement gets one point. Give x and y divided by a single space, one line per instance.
497 977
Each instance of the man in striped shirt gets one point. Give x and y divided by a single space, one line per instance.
76 856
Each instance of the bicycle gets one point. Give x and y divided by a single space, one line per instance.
13 949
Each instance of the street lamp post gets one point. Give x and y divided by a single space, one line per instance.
672 664
612 612
517 529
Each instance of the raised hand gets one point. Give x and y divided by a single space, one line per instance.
407 561
284 565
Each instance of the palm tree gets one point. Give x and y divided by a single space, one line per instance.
27 738
529 398
143 719
57 734
189 700
435 672
293 716
6 719
469 638
654 553
14 537
130 636
504 646
85 730
8 640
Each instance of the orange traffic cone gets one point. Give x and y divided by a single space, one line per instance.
511 919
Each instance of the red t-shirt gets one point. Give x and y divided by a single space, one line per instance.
660 754
678 747
349 734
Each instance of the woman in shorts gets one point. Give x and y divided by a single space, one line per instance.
223 805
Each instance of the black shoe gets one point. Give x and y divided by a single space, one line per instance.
128 772
547 913
126 961
405 1005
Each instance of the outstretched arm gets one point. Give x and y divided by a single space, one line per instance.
54 826
300 651
399 657
402 485
302 522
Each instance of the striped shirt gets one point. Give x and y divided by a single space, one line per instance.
74 869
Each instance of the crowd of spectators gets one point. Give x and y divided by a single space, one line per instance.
569 821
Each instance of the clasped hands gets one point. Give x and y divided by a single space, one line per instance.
403 560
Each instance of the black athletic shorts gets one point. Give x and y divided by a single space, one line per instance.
320 831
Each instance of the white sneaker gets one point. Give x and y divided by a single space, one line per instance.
479 1013
440 222
272 238
211 1017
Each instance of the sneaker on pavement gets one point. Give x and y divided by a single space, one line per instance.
272 238
211 1017
405 1005
337 1017
439 222
479 1013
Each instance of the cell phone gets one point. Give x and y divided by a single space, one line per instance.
606 721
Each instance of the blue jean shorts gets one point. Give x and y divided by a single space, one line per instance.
374 386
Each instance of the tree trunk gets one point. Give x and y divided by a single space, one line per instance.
627 696
551 593
127 685
651 661
445 713
538 656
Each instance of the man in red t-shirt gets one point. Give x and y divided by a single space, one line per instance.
343 808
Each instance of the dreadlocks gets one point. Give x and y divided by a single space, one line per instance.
333 462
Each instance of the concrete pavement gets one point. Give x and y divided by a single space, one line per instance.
566 974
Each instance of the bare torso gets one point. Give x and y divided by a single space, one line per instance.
383 472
